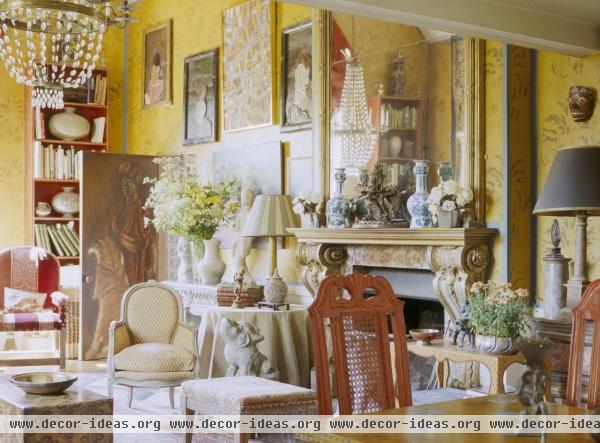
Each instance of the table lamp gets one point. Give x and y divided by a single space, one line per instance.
271 216
572 188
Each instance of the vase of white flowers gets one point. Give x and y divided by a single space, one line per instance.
446 201
309 207
184 206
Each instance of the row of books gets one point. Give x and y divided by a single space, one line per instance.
60 239
56 163
93 91
398 118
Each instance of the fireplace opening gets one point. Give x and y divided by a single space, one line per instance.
423 314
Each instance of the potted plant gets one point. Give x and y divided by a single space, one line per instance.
194 211
499 315
446 202
309 207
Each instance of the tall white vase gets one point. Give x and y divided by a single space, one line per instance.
211 268
185 268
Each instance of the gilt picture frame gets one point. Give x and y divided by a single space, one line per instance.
200 97
296 77
158 61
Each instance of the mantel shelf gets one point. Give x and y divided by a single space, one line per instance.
394 236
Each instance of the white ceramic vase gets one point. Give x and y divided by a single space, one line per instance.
211 268
66 202
69 126
448 219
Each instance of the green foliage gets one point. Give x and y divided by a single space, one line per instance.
497 310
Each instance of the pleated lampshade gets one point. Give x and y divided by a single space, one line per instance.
270 216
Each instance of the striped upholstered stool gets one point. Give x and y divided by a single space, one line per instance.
243 396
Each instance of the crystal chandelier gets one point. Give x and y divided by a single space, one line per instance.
354 136
55 44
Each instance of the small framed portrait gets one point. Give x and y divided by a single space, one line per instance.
296 77
200 86
157 65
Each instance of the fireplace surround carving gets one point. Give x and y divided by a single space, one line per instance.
457 257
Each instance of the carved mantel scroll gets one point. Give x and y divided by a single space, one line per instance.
458 257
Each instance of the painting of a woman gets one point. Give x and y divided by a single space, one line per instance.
157 66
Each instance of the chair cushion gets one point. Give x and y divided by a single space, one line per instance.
35 321
19 301
153 376
154 357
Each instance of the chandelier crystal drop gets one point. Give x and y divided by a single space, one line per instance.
354 136
48 96
52 44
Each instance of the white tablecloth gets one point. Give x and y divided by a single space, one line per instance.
286 344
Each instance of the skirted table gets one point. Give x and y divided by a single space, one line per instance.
286 341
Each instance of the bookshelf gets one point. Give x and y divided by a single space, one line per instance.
398 122
52 164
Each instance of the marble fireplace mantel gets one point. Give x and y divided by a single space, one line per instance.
458 257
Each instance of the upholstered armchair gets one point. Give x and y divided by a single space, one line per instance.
151 346
31 302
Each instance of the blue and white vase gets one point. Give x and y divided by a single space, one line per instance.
338 207
417 203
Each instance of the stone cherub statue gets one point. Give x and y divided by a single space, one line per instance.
374 197
242 246
241 352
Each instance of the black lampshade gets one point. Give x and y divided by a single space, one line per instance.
573 183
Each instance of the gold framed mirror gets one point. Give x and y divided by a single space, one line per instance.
466 150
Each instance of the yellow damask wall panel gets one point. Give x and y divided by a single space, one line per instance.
556 129
12 184
197 27
519 116
494 180
113 54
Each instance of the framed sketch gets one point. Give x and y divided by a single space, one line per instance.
200 86
248 65
157 66
296 77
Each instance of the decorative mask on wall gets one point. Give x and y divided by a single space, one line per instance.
581 102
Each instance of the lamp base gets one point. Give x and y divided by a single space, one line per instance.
275 289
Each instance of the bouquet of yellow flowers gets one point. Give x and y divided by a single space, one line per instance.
184 206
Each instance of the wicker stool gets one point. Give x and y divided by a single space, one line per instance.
243 396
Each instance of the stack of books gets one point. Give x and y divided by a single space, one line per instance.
60 239
98 86
56 163
226 295
398 118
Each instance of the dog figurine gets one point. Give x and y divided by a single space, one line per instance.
241 352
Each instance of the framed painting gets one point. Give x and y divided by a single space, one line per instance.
248 65
296 77
200 86
157 66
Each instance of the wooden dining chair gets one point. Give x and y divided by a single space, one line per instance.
588 309
360 344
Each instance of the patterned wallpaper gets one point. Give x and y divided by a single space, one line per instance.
197 26
11 161
494 176
556 129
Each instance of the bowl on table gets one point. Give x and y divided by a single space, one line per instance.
43 383
424 336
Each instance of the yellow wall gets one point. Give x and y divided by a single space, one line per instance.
494 175
197 26
12 182
556 129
